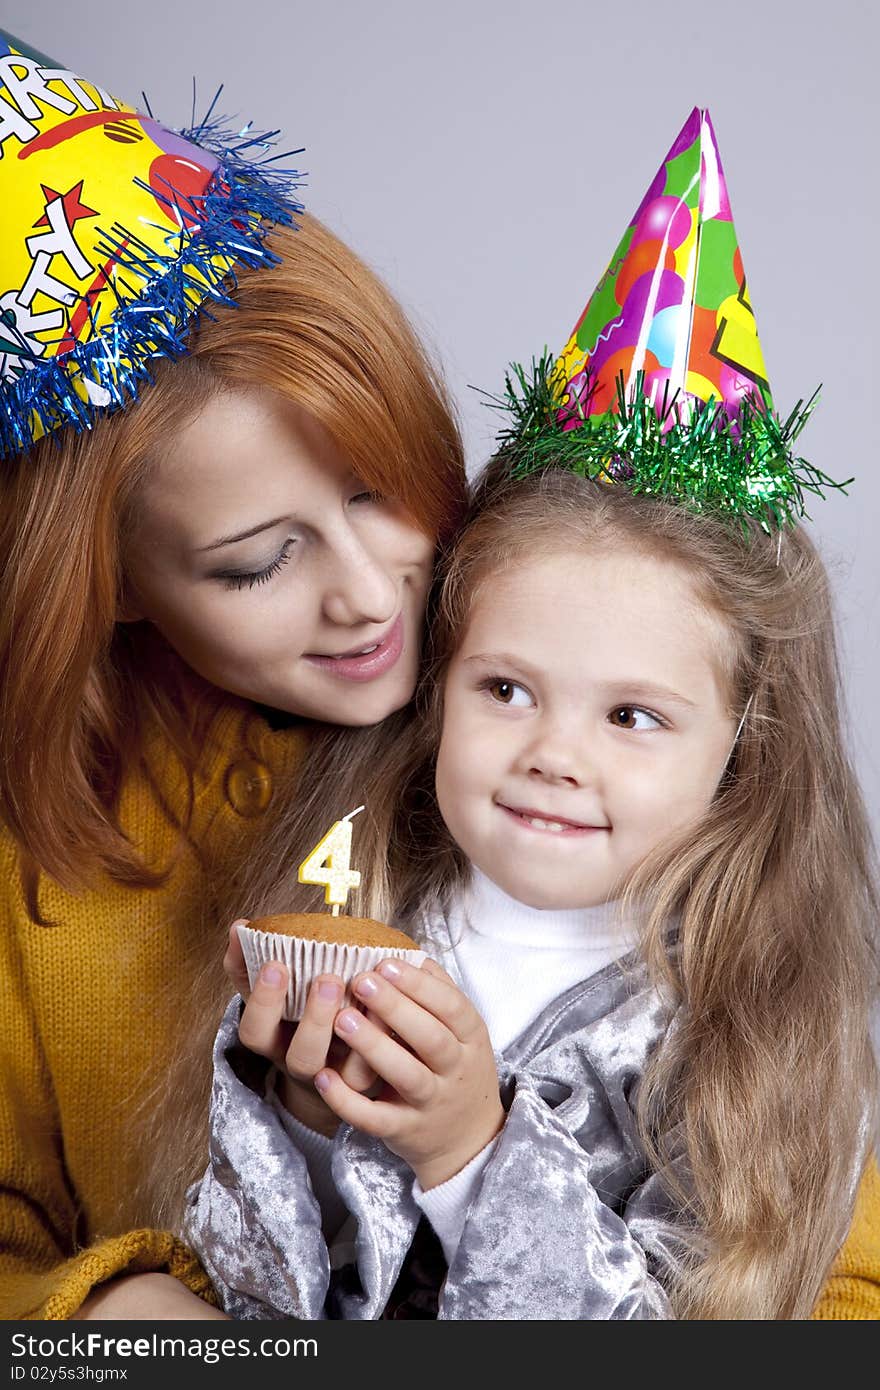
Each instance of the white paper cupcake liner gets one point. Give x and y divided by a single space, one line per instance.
306 958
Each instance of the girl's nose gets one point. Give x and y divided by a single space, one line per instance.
360 588
557 756
555 770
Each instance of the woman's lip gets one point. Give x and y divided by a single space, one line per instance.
372 664
523 815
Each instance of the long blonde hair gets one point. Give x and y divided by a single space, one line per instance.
769 1078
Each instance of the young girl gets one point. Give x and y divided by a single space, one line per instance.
638 1082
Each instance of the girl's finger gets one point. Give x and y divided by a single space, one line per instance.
429 1038
357 1073
354 1070
377 1117
233 961
430 987
401 1069
261 1027
307 1052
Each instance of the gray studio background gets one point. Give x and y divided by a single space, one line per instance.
485 157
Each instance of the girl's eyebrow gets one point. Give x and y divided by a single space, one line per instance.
500 659
647 690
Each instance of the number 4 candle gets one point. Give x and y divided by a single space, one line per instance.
310 944
328 863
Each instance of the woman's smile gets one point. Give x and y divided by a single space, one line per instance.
367 662
313 604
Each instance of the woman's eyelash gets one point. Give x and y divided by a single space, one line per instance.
242 581
254 577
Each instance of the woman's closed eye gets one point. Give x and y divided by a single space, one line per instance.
631 712
247 579
366 495
507 692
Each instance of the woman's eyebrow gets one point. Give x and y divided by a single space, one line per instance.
242 535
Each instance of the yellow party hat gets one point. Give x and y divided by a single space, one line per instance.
116 234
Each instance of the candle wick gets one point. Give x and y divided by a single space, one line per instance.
354 813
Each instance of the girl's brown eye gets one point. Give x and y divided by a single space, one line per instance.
625 710
627 717
503 691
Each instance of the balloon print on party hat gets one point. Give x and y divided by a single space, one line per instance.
116 234
673 303
662 385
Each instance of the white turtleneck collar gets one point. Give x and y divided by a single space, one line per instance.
514 960
493 913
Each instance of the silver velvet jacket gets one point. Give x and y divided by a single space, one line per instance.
568 1222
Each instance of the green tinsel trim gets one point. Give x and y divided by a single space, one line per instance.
742 464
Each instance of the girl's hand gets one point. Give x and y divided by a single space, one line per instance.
440 1105
298 1050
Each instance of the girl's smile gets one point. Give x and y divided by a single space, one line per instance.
584 722
542 822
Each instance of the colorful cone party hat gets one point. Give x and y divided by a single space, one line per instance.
116 233
662 384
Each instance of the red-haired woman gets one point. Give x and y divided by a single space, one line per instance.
256 533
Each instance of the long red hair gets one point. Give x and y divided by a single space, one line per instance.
78 691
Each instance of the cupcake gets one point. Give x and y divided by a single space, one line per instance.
314 943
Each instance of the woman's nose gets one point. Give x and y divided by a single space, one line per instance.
360 587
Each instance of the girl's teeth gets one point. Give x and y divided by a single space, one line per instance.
554 825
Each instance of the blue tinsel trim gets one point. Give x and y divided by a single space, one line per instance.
244 200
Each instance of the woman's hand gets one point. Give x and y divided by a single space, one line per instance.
145 1297
441 1104
298 1050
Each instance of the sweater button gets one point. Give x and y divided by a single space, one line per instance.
248 787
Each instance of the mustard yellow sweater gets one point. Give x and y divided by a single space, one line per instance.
85 1010
86 1007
